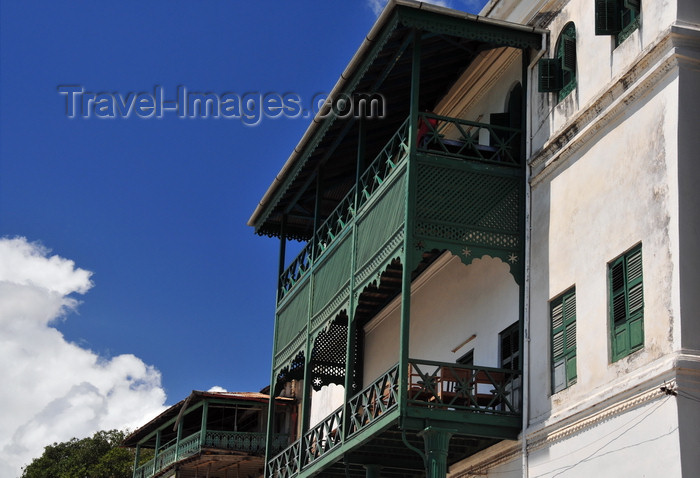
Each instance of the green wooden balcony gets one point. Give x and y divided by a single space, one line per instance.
171 453
478 403
459 188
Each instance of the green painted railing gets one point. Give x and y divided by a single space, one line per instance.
375 400
286 464
449 386
462 139
168 454
464 387
370 182
323 437
439 136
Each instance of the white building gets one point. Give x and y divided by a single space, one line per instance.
504 285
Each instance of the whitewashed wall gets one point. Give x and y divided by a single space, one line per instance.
449 303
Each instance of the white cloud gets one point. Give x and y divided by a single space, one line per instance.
217 388
53 390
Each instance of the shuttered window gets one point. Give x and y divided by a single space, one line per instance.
617 17
559 74
626 304
563 315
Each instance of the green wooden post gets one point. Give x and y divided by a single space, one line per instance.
351 338
437 441
178 438
408 227
203 431
137 457
155 454
306 393
269 437
372 471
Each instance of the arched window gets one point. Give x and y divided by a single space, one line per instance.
566 53
558 74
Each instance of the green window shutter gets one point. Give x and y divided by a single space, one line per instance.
566 53
549 75
627 304
563 315
632 4
607 17
569 53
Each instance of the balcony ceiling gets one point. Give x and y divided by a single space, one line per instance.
450 42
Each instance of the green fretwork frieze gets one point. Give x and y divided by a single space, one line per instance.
468 252
468 28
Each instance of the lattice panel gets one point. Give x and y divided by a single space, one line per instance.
293 318
333 272
382 220
465 197
328 355
475 237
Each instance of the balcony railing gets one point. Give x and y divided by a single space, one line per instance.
372 179
432 385
464 387
439 136
170 453
375 400
463 139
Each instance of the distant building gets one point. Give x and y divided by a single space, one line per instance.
501 275
210 434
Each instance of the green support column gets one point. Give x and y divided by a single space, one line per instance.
372 471
437 442
177 440
306 394
350 345
269 437
137 457
408 225
203 431
155 453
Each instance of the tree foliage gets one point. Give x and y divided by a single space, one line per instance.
98 456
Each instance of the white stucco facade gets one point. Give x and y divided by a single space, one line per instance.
611 168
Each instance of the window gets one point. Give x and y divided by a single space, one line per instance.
626 303
563 315
467 359
617 17
558 74
510 347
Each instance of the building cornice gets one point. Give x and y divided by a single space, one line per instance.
541 435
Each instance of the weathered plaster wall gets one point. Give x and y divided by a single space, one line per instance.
640 442
599 62
325 401
596 206
454 303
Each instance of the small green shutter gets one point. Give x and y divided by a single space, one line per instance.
569 56
627 304
563 315
607 17
549 75
632 4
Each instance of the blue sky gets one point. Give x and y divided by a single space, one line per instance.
156 208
